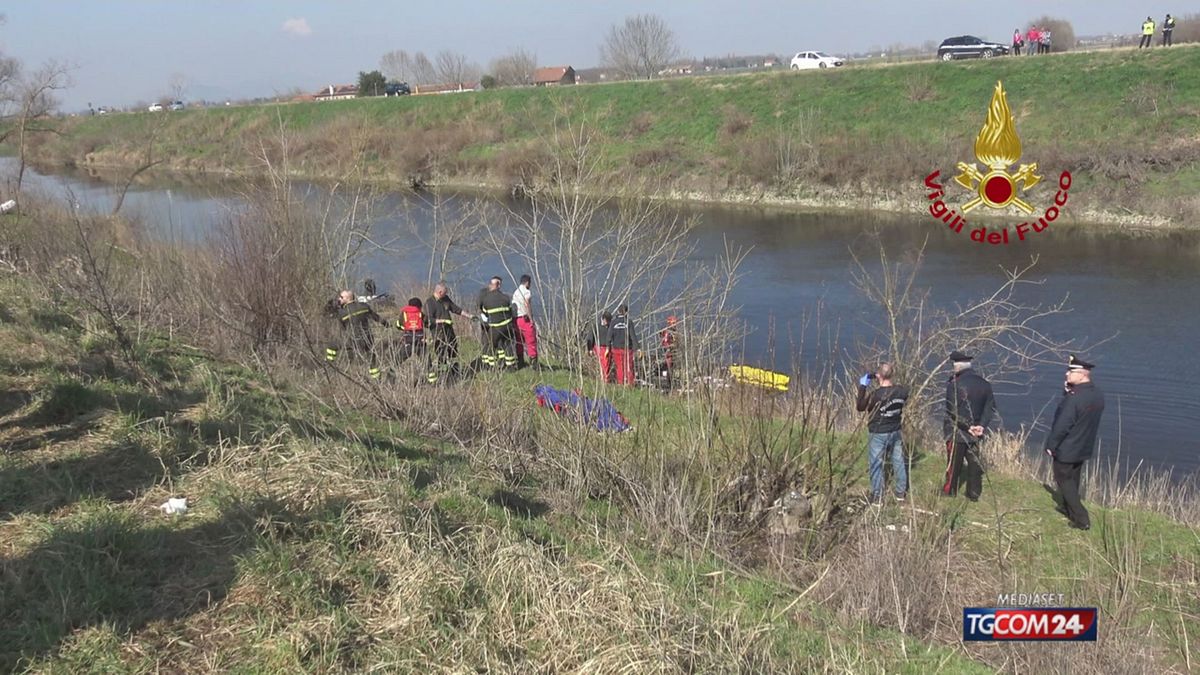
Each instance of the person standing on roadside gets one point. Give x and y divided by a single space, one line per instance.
1033 39
970 407
527 345
1147 34
1168 28
440 311
623 341
1072 438
885 407
1018 40
1044 40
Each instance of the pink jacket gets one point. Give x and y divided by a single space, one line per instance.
1034 35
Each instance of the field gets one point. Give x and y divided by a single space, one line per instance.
1123 122
322 537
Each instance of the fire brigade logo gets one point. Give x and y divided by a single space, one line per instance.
998 147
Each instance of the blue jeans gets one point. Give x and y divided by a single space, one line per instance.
877 446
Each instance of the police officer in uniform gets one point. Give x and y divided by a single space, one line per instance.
496 305
1168 28
354 318
439 314
1072 437
970 407
1147 33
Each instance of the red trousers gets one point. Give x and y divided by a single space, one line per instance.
528 343
602 357
624 359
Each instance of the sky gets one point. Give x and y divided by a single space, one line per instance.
127 51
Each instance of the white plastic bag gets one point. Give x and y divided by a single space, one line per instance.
174 506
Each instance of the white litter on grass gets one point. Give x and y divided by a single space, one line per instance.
174 505
893 528
8 206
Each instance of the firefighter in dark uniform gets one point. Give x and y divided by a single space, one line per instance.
970 408
496 305
355 318
439 314
1072 437
412 329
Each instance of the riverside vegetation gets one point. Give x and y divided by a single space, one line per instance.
339 526
1122 122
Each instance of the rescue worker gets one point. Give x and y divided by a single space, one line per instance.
522 300
1072 438
596 341
669 343
970 408
496 305
1168 28
354 317
1147 33
439 314
412 327
623 343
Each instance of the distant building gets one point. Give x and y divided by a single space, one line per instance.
554 75
336 92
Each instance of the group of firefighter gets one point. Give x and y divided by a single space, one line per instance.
508 334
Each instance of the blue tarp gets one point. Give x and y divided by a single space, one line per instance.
597 412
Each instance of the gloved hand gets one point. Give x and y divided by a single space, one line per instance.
864 380
1050 452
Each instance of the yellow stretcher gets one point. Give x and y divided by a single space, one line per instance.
759 377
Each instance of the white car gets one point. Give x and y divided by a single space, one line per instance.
155 107
805 60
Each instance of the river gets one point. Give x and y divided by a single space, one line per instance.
1137 294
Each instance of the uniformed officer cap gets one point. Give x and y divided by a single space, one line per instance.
959 357
1075 363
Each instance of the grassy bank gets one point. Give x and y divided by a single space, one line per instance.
329 534
1123 122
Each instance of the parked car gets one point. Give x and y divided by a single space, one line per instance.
102 111
155 107
397 89
805 60
969 47
177 105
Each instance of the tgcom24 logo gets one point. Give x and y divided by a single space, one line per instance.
997 185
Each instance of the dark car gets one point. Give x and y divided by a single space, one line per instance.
969 47
397 89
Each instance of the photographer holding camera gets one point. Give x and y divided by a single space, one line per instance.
885 405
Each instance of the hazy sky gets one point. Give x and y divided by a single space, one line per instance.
127 50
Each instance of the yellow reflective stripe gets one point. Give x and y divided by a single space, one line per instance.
497 309
502 323
444 321
354 314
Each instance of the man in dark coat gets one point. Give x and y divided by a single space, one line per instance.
1072 437
970 408
355 317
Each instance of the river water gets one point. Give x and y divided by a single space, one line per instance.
1137 294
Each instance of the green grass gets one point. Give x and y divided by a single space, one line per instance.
324 540
877 130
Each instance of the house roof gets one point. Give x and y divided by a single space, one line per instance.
550 74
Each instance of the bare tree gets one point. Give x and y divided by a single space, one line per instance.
32 101
176 86
639 47
453 67
916 336
397 65
589 252
514 68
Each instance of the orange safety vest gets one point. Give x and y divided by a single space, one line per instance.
413 321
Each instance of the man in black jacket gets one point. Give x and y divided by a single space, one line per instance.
623 341
355 318
885 405
970 407
440 311
1072 437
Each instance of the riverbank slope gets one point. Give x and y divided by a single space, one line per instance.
1123 122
